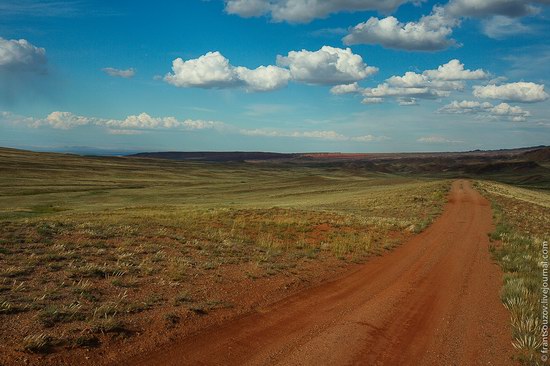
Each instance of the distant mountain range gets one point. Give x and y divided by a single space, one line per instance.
536 153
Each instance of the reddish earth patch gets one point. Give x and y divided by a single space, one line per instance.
432 301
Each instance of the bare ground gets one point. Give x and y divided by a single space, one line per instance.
432 301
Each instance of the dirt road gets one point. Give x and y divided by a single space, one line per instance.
432 301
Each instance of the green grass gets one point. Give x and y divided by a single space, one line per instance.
87 244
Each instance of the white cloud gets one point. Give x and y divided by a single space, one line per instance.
211 70
264 78
302 11
16 119
517 92
453 71
111 71
487 110
408 88
124 132
437 140
346 89
483 8
414 80
317 135
372 100
329 65
64 120
514 113
320 135
386 90
21 55
199 124
369 138
465 107
430 33
143 121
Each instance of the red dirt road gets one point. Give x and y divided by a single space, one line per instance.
432 301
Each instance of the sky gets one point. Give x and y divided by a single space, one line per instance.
274 75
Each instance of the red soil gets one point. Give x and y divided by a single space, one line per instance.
432 301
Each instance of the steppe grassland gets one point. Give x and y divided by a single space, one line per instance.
522 218
89 247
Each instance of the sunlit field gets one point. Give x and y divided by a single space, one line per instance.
96 252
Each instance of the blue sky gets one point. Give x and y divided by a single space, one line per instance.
277 75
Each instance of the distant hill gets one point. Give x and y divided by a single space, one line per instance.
538 153
215 156
541 154
528 167
525 166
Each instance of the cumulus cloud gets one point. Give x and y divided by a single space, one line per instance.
211 70
430 33
145 121
514 113
487 110
329 65
447 77
67 120
346 89
465 107
111 71
23 71
407 89
303 11
431 84
414 80
453 71
526 92
64 120
263 78
20 55
386 90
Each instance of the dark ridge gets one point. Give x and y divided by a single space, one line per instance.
214 156
539 155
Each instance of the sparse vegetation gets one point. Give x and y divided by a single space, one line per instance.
39 343
93 248
521 218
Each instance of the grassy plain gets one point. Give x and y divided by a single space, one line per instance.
522 217
95 252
